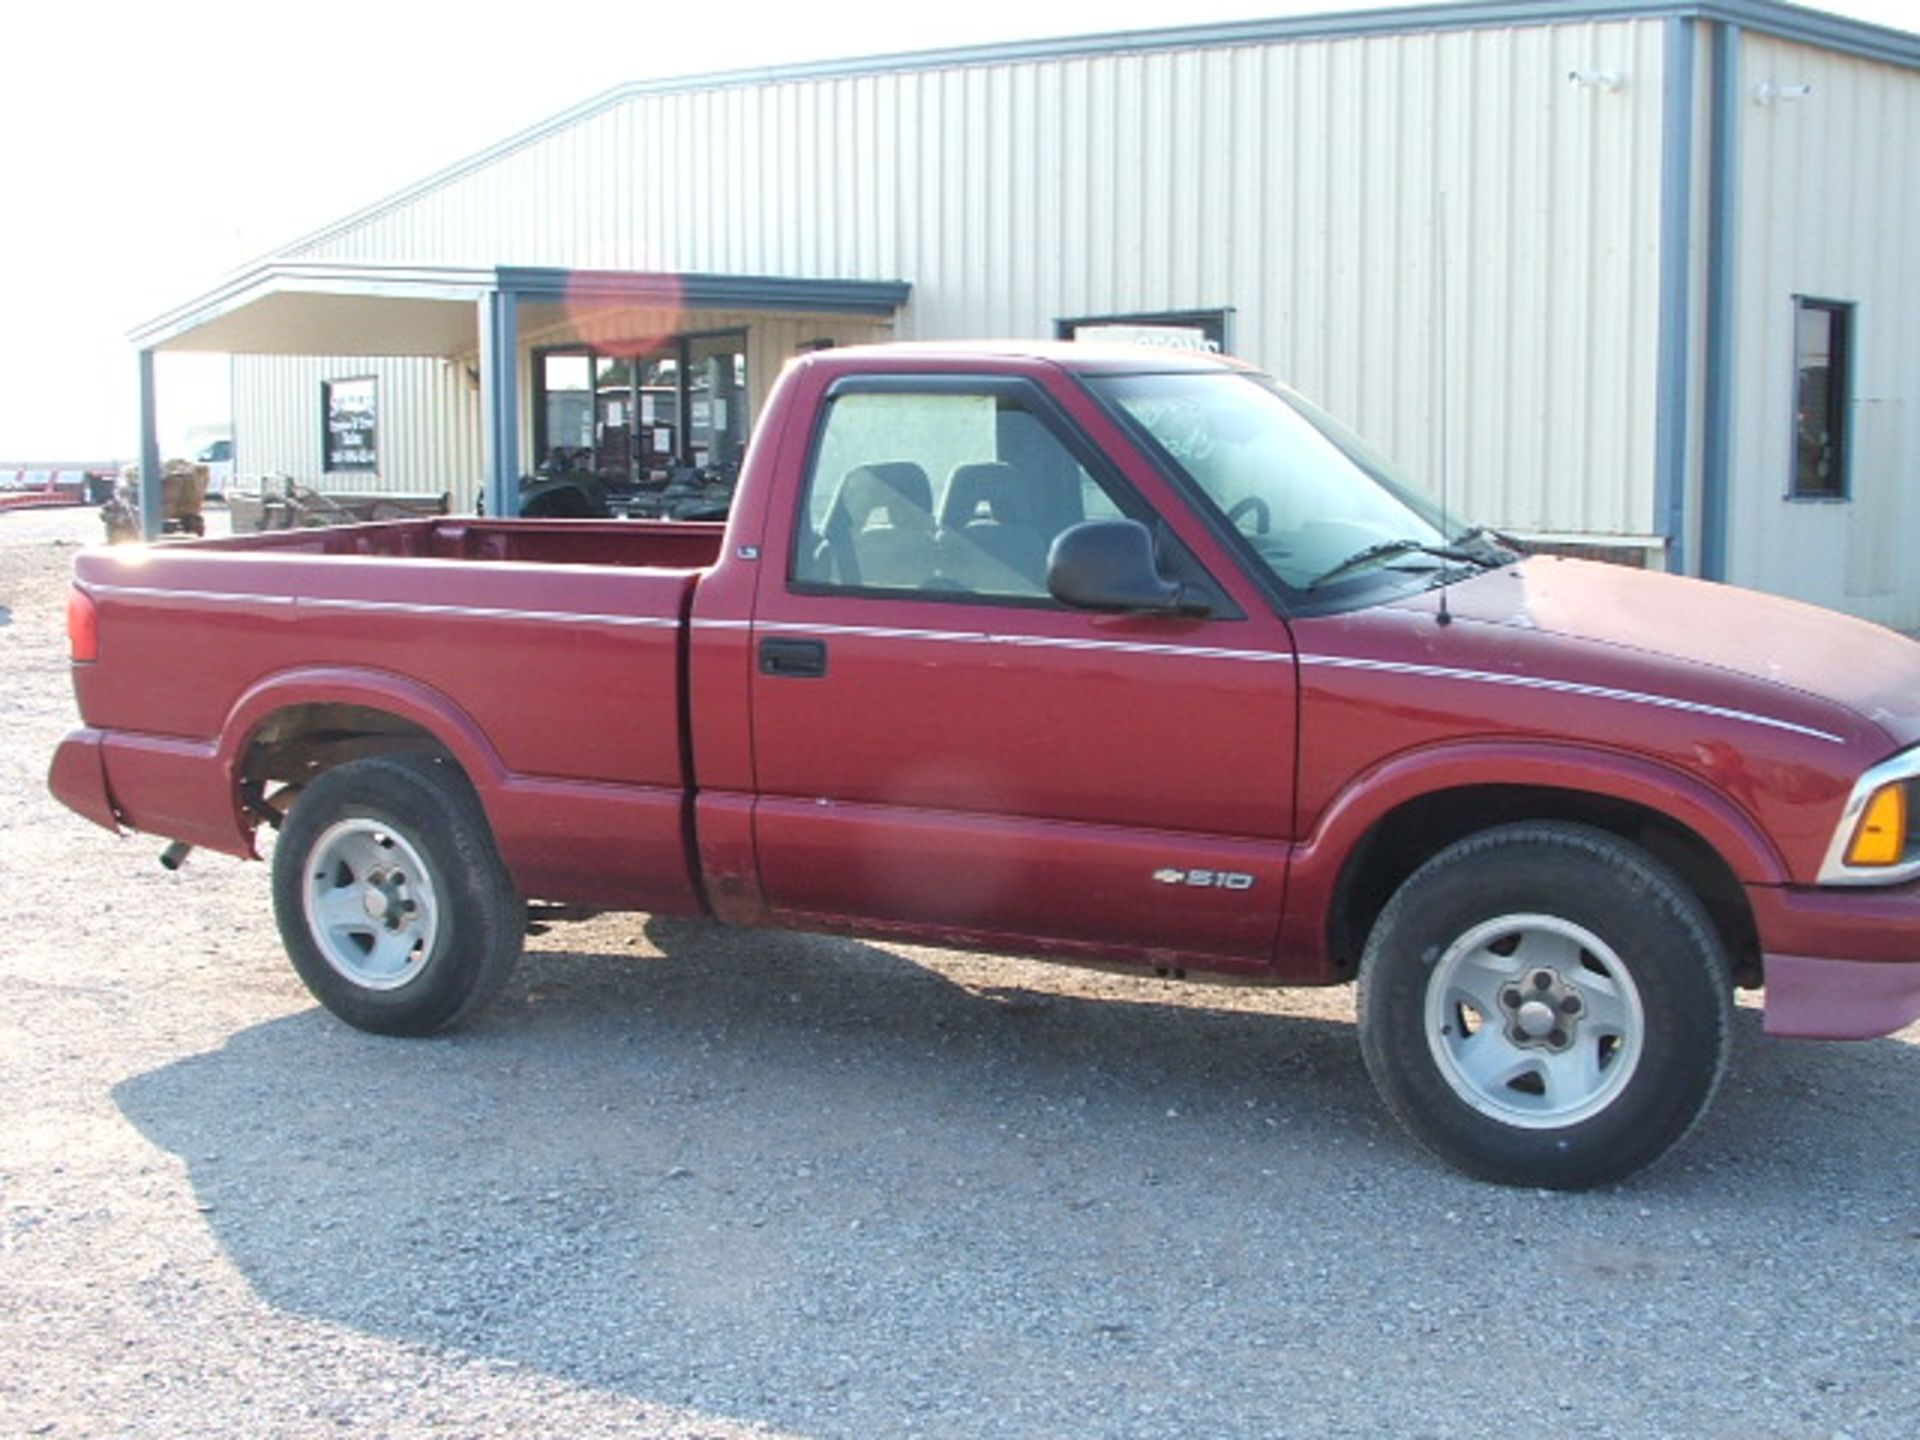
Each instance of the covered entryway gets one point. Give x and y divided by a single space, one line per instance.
718 339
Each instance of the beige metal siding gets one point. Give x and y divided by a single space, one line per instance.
1828 208
428 435
1293 182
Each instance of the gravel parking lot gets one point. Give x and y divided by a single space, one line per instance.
686 1182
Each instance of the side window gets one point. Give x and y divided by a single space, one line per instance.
947 494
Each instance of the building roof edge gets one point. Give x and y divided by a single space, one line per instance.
1771 17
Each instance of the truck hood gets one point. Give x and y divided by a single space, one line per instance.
1871 671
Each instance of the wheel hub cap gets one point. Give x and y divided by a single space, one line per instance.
1542 1009
1534 1020
371 904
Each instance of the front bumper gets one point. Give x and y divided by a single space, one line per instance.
1841 964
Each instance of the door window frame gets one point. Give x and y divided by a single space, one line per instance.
1035 399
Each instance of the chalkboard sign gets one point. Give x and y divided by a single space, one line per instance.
350 409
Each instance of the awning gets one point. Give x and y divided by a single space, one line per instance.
301 308
290 307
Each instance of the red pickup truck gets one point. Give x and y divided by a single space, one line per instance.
1102 655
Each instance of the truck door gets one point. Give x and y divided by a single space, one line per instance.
940 745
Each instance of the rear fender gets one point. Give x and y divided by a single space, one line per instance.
406 699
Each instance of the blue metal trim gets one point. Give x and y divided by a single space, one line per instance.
1675 384
709 292
1723 257
152 512
1817 27
500 399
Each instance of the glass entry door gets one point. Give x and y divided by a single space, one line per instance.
717 403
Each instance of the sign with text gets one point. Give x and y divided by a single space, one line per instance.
351 412
1203 331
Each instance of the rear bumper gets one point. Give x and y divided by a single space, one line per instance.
151 783
78 778
1841 964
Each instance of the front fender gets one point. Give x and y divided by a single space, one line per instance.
1376 792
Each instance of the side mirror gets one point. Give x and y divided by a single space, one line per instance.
1109 565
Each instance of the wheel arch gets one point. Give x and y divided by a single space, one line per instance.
1387 825
293 727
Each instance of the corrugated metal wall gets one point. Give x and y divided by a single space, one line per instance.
1294 183
1828 209
428 435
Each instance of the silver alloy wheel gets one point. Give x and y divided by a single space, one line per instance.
370 904
1534 1021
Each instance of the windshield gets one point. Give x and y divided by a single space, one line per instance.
1310 499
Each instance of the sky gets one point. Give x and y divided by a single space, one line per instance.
147 150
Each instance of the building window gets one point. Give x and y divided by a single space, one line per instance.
1200 330
635 419
1823 356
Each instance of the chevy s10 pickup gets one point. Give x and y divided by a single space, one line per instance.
1108 656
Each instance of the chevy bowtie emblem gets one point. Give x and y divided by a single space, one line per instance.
1170 877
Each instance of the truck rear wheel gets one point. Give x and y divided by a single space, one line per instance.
391 898
1545 1004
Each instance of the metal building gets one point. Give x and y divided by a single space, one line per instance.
1641 266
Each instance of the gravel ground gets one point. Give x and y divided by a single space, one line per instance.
684 1182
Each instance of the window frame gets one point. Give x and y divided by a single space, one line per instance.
1034 398
1840 315
542 426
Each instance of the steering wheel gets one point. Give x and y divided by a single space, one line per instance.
1258 508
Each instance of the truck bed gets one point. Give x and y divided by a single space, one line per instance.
553 652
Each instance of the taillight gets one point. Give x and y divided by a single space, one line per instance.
83 626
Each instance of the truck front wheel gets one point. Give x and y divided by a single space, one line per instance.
1545 1004
391 898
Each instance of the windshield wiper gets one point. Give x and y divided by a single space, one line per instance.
1401 547
1489 546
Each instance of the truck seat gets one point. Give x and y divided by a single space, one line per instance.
879 529
988 538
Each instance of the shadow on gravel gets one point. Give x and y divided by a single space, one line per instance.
808 1183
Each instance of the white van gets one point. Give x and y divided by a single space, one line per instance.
218 458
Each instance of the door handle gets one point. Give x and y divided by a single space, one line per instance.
793 659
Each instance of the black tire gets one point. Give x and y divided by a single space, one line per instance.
1545 1004
391 898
